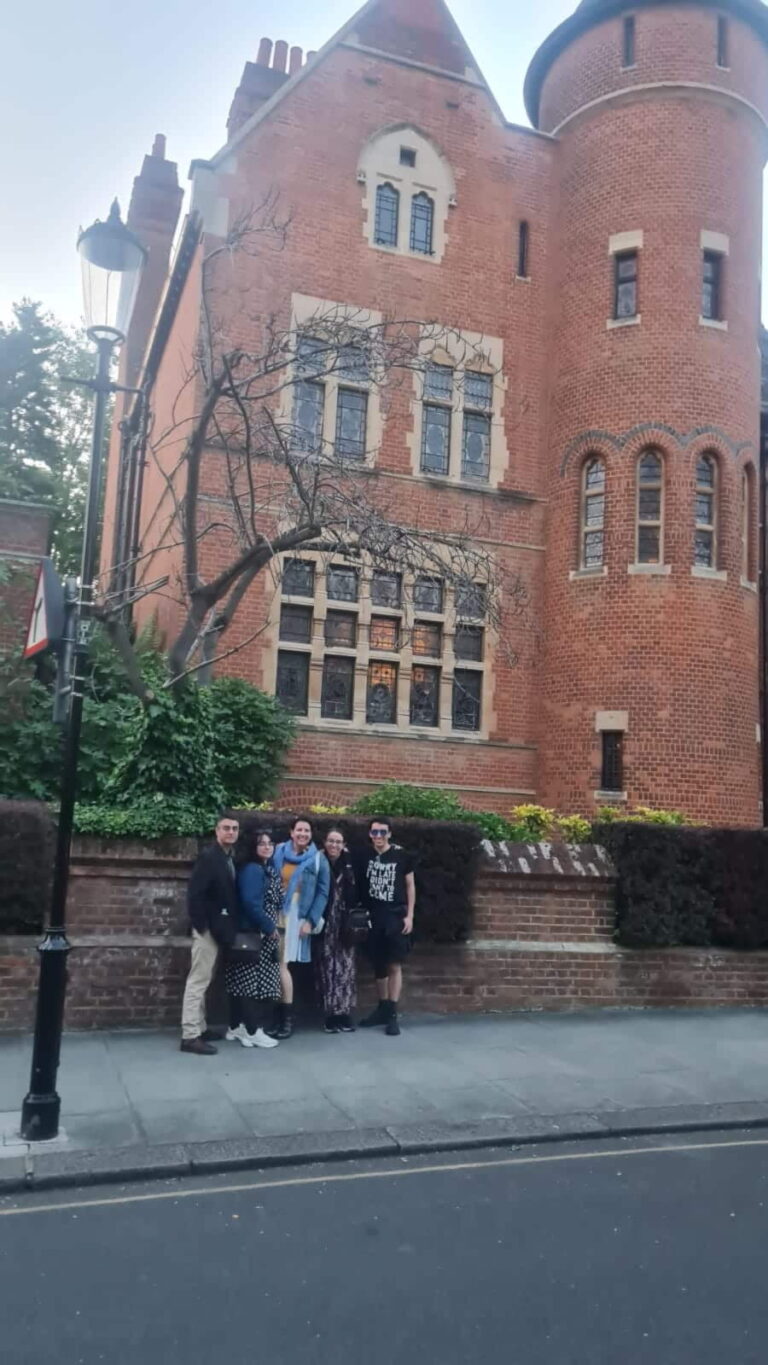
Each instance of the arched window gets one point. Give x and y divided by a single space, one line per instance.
387 214
592 532
705 529
748 565
649 508
422 215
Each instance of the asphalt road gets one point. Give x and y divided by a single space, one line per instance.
643 1252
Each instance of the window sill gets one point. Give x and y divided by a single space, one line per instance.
717 575
716 323
632 67
613 323
576 575
523 279
660 570
748 584
609 798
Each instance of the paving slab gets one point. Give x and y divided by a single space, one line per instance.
58 1169
161 1121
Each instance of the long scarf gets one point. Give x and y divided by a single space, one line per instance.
285 853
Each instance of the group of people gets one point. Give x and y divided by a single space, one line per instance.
295 903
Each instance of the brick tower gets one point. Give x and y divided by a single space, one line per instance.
650 678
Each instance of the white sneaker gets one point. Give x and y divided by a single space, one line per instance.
262 1039
245 1039
235 1035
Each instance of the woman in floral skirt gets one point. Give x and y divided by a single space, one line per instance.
334 960
249 984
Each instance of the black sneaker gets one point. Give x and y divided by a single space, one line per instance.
331 1024
345 1023
377 1016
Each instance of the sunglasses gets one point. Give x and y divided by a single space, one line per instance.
379 833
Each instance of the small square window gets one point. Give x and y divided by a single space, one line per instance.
425 696
292 686
467 694
341 629
427 639
385 588
342 584
338 693
468 643
428 594
407 156
384 633
296 624
298 578
381 699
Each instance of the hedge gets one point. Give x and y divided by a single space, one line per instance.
26 858
687 886
446 856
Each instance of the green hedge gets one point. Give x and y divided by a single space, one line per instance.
26 859
447 857
686 886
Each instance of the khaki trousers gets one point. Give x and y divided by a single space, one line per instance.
205 955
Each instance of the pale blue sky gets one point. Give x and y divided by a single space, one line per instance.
87 83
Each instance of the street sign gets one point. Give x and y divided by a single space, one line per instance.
46 621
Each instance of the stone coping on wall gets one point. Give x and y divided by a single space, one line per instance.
547 859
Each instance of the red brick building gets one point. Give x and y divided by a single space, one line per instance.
606 261
25 534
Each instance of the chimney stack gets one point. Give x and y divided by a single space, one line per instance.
152 214
260 80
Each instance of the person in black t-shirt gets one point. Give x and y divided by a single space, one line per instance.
388 890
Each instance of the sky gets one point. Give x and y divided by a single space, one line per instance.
87 83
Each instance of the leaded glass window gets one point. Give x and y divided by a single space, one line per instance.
422 215
351 412
428 594
425 695
625 285
341 629
468 643
353 363
478 390
612 768
471 601
435 439
312 356
292 686
387 214
592 515
476 446
650 499
705 531
711 285
427 639
467 694
298 578
338 691
386 588
381 698
438 383
296 624
342 584
309 406
384 633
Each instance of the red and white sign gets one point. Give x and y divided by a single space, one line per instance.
46 621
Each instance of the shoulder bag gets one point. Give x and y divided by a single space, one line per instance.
246 947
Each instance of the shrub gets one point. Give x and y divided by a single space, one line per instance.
640 815
26 858
446 854
149 818
670 880
398 800
253 734
535 821
574 829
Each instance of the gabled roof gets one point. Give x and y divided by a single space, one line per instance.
420 31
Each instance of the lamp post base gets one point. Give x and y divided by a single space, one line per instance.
41 1107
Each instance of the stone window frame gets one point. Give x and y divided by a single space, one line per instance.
408 612
431 176
715 247
462 352
622 245
308 313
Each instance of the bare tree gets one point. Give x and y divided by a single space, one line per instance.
281 488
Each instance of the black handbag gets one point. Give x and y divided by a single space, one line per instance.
356 926
246 948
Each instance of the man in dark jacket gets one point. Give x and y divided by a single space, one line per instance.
213 905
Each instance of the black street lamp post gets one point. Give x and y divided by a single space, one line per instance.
112 260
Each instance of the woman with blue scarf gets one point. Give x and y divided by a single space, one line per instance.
306 882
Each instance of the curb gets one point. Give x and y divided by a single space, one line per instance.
39 1170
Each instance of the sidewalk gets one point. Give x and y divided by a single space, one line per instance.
134 1106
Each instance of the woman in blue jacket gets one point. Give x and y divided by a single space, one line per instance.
250 983
306 881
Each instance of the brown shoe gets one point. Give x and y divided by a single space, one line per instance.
198 1046
212 1035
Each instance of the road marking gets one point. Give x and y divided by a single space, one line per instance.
288 1182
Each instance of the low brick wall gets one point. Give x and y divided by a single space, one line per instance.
541 939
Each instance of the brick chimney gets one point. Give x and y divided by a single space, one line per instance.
152 214
260 79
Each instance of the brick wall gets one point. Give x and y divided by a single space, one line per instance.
541 939
24 538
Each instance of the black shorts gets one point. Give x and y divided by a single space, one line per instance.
386 944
